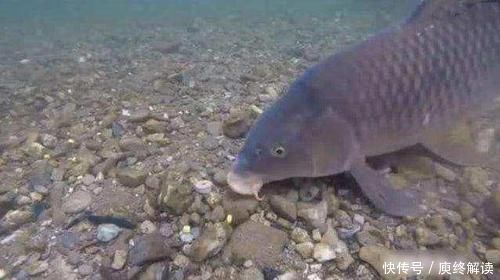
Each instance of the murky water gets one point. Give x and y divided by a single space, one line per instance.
119 120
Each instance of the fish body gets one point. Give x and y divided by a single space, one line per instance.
392 91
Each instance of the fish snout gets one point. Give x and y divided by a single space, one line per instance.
244 182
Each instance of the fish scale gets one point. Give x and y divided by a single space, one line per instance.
432 73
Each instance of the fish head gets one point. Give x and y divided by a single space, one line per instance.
294 138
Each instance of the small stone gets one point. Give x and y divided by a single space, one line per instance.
283 207
360 220
49 141
323 252
210 143
426 237
495 242
214 128
218 214
155 126
166 230
344 258
248 263
85 269
493 256
370 236
445 172
305 249
214 199
107 232
148 227
3 273
131 177
257 242
37 268
23 200
181 261
478 179
313 213
237 125
176 198
252 273
288 276
88 179
211 241
148 248
220 177
239 207
485 139
158 138
203 186
316 235
139 115
76 202
119 259
36 197
300 235
308 191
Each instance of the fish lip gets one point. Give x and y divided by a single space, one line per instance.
245 183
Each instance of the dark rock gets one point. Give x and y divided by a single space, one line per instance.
149 248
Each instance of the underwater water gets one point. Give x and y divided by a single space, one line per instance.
119 120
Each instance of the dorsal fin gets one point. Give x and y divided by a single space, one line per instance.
443 9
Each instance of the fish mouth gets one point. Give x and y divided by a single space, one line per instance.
246 183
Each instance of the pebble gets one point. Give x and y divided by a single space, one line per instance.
283 207
166 230
214 128
148 227
257 242
76 202
316 235
305 249
445 172
323 252
210 242
300 235
88 179
38 267
203 186
151 247
36 197
181 261
131 177
119 259
220 177
288 276
493 256
3 273
49 141
252 273
23 200
107 232
236 125
85 269
313 213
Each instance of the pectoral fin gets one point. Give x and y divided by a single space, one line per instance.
383 196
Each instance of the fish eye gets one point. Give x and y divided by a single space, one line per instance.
278 151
